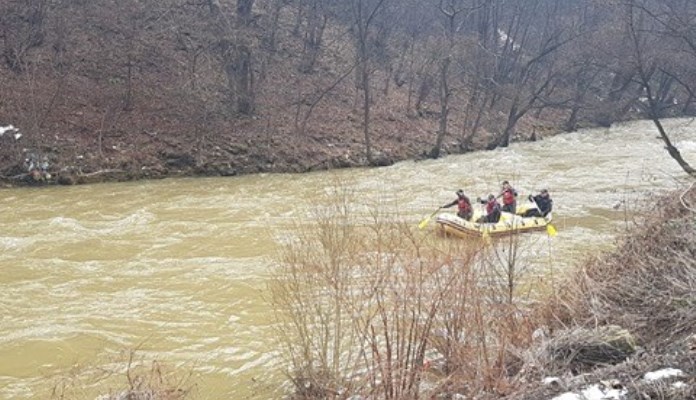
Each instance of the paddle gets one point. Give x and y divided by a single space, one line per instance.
550 229
427 219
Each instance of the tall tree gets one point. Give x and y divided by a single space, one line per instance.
527 68
317 19
452 11
364 13
244 8
653 40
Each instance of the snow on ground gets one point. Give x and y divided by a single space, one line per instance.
10 128
663 374
600 392
7 128
594 392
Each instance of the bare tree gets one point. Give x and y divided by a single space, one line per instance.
235 50
244 8
526 71
452 11
651 64
317 19
276 7
363 14
22 27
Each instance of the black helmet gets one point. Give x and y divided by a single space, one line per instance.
460 192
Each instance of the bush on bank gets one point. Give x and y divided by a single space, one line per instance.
370 309
645 290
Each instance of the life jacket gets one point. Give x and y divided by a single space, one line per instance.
464 205
508 197
491 206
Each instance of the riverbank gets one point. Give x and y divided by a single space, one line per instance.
623 324
247 148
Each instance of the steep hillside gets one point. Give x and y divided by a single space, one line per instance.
124 90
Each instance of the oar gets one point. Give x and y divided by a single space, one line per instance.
427 219
550 229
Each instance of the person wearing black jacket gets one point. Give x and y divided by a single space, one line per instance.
543 202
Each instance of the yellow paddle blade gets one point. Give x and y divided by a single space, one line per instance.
423 223
550 230
486 237
427 219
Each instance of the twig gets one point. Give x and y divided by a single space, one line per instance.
683 201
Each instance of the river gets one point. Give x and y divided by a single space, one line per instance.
178 268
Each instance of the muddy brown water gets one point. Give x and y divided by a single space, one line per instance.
178 267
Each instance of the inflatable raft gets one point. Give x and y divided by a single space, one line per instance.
451 225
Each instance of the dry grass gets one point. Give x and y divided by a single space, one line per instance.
648 284
369 306
127 377
625 313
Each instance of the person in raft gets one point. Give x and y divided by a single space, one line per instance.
543 202
509 195
465 210
492 210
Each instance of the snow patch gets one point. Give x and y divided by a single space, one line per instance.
568 396
594 392
663 374
7 128
552 380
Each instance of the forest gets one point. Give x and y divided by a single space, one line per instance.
131 89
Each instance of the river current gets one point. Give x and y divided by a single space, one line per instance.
178 268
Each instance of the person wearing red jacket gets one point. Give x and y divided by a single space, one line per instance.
492 210
509 195
465 210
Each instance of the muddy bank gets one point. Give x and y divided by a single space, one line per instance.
136 156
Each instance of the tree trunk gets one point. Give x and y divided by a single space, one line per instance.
245 103
444 109
276 7
571 124
239 77
366 111
513 117
313 38
214 7
244 10
424 89
673 151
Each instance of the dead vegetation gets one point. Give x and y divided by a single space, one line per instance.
127 376
370 309
626 313
648 284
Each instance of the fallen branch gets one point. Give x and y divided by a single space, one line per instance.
101 172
